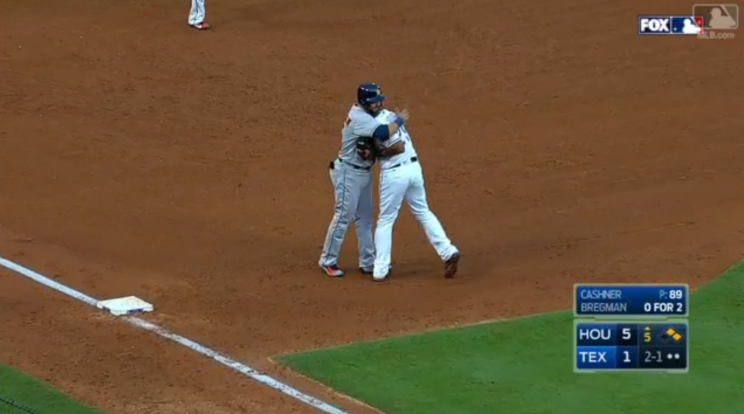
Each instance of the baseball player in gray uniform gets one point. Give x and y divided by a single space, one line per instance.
351 176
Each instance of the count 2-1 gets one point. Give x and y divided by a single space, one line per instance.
663 307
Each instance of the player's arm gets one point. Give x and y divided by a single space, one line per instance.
383 132
394 149
365 125
393 146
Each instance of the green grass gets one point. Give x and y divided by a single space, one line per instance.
525 366
36 395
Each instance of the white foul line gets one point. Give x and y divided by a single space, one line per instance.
165 333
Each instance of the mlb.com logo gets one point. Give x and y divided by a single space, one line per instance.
670 25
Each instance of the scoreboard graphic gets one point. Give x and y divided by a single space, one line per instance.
622 328
630 345
595 300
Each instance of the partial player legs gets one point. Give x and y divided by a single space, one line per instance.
347 197
416 198
392 190
363 224
347 186
197 13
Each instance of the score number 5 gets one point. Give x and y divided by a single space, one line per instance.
628 334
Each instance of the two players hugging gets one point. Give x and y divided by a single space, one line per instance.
370 148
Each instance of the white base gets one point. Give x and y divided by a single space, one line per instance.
125 306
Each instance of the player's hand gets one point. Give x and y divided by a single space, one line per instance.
404 114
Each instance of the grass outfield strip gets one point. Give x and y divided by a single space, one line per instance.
525 366
36 395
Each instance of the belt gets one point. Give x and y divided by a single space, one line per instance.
412 160
356 167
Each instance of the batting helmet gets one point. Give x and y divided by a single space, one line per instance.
368 93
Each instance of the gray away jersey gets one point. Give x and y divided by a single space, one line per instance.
359 123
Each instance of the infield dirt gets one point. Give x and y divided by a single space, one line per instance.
189 168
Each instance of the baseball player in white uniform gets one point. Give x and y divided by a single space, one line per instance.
401 178
351 176
197 15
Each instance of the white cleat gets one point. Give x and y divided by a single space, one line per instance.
380 278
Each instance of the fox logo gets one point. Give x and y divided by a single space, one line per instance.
659 25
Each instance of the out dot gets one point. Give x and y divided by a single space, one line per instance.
669 356
676 356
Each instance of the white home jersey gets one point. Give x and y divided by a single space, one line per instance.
402 135
359 123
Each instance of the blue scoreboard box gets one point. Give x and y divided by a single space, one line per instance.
631 346
623 300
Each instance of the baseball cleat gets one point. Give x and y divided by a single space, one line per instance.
201 26
450 266
368 270
383 277
332 270
380 278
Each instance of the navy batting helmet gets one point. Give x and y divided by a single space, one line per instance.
368 93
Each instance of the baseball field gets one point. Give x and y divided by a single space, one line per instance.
190 169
